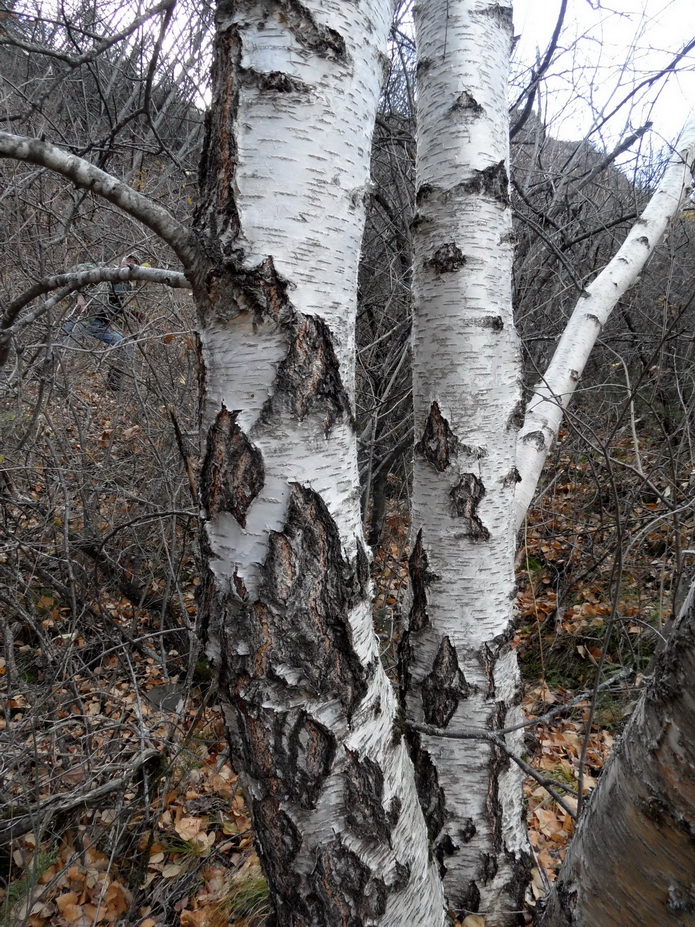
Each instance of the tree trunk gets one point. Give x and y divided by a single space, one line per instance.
632 860
458 668
286 607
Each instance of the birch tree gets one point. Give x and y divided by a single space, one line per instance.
314 724
466 386
286 614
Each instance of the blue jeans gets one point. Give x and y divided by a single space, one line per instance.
76 330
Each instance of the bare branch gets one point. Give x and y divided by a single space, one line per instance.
88 177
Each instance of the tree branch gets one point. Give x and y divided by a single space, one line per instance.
88 177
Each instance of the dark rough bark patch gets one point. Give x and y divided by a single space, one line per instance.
643 240
447 259
493 806
308 379
497 11
468 830
289 752
232 472
438 444
423 193
443 848
516 417
511 478
429 792
306 595
444 687
466 497
320 39
420 579
494 322
470 899
488 868
492 181
278 842
273 81
364 799
216 217
468 105
345 893
535 437
362 568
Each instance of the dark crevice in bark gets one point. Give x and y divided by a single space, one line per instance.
364 799
438 445
447 259
232 473
273 81
467 105
217 217
420 578
345 892
290 752
516 418
470 899
430 793
325 42
466 495
308 379
279 841
492 181
444 687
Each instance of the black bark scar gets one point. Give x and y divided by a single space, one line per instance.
466 497
232 473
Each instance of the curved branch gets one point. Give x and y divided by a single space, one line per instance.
553 394
11 323
88 177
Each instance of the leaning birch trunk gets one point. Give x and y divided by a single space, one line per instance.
551 397
457 667
632 860
285 609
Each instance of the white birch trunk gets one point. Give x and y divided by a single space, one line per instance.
458 669
286 614
551 397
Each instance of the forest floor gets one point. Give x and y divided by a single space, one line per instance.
114 771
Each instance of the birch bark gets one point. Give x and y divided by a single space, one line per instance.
286 615
457 666
553 394
632 859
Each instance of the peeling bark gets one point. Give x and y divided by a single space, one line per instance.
632 859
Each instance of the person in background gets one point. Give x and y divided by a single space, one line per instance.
98 314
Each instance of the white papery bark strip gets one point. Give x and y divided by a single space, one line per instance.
552 396
466 396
